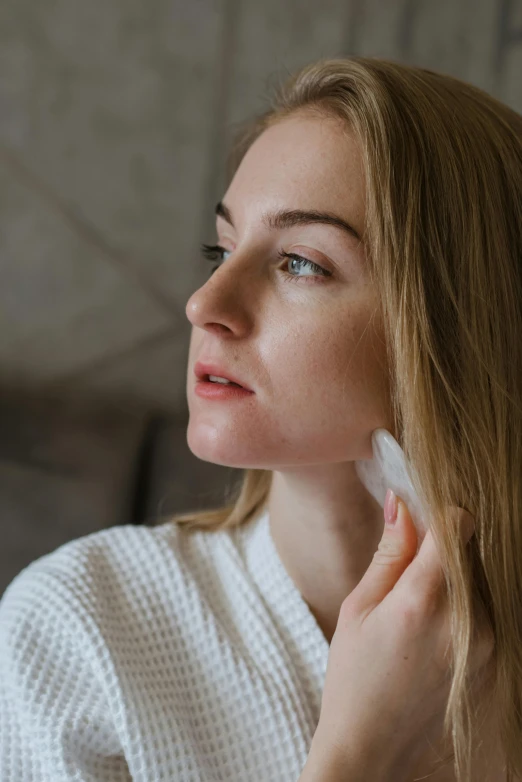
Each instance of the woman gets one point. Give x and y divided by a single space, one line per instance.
369 248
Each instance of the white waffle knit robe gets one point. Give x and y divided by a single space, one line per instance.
152 653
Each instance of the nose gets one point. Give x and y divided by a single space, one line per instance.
231 293
222 302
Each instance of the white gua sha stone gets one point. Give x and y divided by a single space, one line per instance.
389 469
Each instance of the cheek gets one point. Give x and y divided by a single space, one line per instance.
331 384
347 361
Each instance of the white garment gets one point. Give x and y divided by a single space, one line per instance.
151 653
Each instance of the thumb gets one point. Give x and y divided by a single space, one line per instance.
396 551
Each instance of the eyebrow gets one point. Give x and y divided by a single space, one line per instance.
286 218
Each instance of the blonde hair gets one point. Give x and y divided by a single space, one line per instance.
443 166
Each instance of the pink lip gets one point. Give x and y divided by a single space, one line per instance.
222 391
202 370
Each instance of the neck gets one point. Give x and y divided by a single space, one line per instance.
326 527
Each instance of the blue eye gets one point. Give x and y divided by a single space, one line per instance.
215 252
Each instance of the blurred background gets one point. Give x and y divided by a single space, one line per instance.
115 120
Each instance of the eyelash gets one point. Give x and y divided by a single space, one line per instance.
211 251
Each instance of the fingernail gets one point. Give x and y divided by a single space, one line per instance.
390 508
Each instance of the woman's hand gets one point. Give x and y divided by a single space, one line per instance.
387 680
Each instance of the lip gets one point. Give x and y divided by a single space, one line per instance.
202 369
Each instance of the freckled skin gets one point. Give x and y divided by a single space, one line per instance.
305 346
312 348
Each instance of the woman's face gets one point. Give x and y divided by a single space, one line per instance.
308 342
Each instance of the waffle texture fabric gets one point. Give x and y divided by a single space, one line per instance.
154 653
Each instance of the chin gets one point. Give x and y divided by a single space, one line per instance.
208 446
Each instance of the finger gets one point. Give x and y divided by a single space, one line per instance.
425 572
395 552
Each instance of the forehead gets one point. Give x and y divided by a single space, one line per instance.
303 162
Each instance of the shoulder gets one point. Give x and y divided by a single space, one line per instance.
111 573
67 621
72 615
76 567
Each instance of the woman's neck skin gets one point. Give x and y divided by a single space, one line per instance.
326 528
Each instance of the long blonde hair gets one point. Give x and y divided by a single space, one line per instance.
443 165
